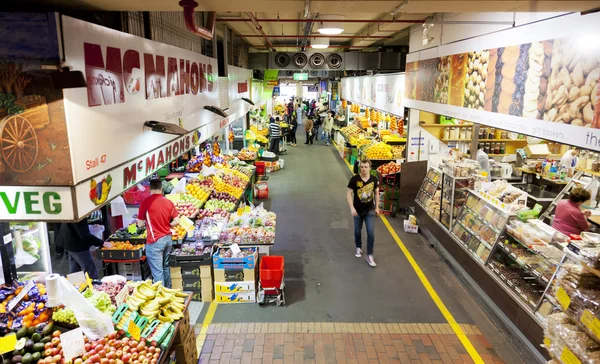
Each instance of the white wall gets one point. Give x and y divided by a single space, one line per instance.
448 33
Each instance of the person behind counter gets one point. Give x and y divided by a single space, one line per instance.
569 219
484 161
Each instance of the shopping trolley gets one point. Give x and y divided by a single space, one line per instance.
271 282
285 132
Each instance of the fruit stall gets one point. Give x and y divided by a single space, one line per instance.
122 322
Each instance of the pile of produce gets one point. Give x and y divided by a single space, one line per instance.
384 132
124 234
379 151
178 232
246 155
246 171
35 345
364 122
121 245
254 227
215 212
192 249
351 131
215 205
264 132
224 196
389 168
112 289
198 191
362 142
193 200
221 186
187 209
156 301
101 300
392 138
30 311
398 151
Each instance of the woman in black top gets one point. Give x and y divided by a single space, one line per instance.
293 128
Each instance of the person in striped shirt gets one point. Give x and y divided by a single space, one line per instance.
275 135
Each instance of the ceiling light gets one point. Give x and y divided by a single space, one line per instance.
320 43
330 25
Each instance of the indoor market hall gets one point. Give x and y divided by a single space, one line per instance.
411 308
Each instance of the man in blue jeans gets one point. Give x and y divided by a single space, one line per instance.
158 214
363 199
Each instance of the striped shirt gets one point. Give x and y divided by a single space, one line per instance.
275 130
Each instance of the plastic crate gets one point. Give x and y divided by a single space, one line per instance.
271 271
122 254
247 262
260 168
183 260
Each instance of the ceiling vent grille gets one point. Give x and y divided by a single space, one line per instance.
300 60
334 61
282 60
317 60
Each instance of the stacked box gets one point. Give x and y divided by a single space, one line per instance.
186 351
235 279
134 271
194 278
184 328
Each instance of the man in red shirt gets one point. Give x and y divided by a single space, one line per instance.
158 214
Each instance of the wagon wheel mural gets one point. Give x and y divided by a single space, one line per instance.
19 143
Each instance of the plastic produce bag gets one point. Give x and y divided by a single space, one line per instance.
179 187
23 257
117 207
94 323
97 230
592 187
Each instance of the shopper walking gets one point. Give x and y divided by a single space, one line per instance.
308 128
363 200
77 240
327 126
158 214
274 135
292 135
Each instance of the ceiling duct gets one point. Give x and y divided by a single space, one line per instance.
300 60
349 61
316 60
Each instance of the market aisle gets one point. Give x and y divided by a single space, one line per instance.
336 303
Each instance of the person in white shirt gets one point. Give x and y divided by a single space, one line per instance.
569 159
484 161
327 126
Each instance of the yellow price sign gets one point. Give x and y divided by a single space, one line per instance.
567 357
563 298
132 229
134 330
8 343
589 320
547 343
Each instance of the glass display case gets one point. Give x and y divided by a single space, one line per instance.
454 195
31 248
429 195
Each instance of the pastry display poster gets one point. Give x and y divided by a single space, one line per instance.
549 89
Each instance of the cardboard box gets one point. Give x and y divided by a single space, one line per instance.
186 352
234 275
207 282
186 283
184 328
200 271
204 294
245 297
233 287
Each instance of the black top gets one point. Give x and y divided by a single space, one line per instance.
76 237
364 193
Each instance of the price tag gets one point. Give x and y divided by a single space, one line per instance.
77 278
122 296
8 343
73 344
589 320
563 298
7 238
567 357
132 229
235 249
134 330
15 301
547 343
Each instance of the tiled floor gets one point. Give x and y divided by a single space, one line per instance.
340 343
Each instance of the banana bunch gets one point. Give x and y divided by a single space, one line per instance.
156 301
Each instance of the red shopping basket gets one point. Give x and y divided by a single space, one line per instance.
271 271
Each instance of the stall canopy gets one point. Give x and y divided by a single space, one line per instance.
78 148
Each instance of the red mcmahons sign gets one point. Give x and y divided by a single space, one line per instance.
161 76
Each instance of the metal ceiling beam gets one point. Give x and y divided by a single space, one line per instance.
189 7
260 29
275 20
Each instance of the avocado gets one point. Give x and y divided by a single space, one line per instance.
36 357
30 330
36 337
47 331
17 359
20 343
29 345
26 359
38 347
46 339
22 332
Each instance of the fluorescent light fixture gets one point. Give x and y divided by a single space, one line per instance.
320 43
166 128
330 25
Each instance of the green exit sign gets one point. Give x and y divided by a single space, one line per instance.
300 76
